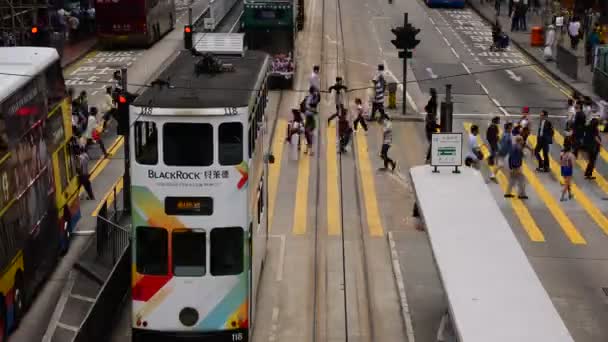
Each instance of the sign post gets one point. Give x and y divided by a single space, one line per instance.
446 151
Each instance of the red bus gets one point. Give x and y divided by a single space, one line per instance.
133 22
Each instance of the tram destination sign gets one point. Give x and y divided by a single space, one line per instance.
195 206
446 149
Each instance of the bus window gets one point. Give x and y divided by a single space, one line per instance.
189 253
227 251
188 144
231 143
152 251
55 87
146 143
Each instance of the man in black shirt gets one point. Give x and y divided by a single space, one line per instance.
545 138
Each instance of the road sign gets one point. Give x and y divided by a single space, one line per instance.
446 149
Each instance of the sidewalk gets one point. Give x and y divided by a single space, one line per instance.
72 52
521 39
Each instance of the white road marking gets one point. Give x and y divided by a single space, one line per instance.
466 68
275 326
68 327
455 53
513 76
431 73
432 21
238 20
83 298
485 90
63 299
438 30
83 232
502 109
281 264
405 308
446 41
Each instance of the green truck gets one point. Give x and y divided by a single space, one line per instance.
272 26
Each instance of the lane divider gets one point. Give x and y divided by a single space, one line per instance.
300 217
372 213
333 199
274 170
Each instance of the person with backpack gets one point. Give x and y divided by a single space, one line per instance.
492 136
544 140
516 175
567 160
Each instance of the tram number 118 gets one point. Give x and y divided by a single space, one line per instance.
237 336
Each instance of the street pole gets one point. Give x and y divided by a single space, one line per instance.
190 16
404 99
126 179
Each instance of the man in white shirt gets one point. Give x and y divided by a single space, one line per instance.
314 80
472 157
573 30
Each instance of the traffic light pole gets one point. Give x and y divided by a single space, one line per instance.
403 104
126 178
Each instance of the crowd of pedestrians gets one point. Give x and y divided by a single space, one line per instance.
303 122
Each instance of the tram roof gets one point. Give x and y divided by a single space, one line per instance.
19 64
189 90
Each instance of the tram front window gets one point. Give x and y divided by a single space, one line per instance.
230 143
188 144
227 251
152 251
189 253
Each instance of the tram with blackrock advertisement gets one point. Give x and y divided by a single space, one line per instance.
198 194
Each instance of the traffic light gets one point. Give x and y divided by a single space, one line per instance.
34 29
405 38
188 37
400 37
122 114
412 32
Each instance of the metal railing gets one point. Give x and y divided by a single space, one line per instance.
112 238
600 83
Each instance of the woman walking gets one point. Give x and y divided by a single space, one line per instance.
567 164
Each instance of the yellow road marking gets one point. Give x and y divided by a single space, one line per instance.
109 196
301 209
521 211
77 64
102 163
333 200
579 195
274 170
369 188
560 216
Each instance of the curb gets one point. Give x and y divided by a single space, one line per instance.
539 63
80 56
406 315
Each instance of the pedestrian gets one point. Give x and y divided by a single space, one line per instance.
543 142
82 167
109 107
379 89
566 160
83 102
340 111
475 155
523 125
295 129
492 136
505 145
431 105
570 114
314 81
360 119
387 140
430 126
309 106
592 143
578 129
91 133
593 40
549 42
574 32
339 89
587 106
523 25
516 176
344 131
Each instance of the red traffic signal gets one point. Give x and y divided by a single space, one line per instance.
187 29
122 99
34 29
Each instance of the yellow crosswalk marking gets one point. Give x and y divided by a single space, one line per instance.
274 170
372 212
333 200
301 206
560 216
579 195
521 211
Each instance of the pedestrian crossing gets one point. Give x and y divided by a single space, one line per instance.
576 219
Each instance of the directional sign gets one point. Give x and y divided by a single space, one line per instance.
446 149
513 76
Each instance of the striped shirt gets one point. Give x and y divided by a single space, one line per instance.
387 135
379 89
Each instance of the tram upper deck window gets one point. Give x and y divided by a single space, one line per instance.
146 143
227 251
152 256
188 144
231 143
189 253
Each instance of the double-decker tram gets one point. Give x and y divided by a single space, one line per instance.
39 202
198 187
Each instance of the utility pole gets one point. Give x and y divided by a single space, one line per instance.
447 110
405 40
126 179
